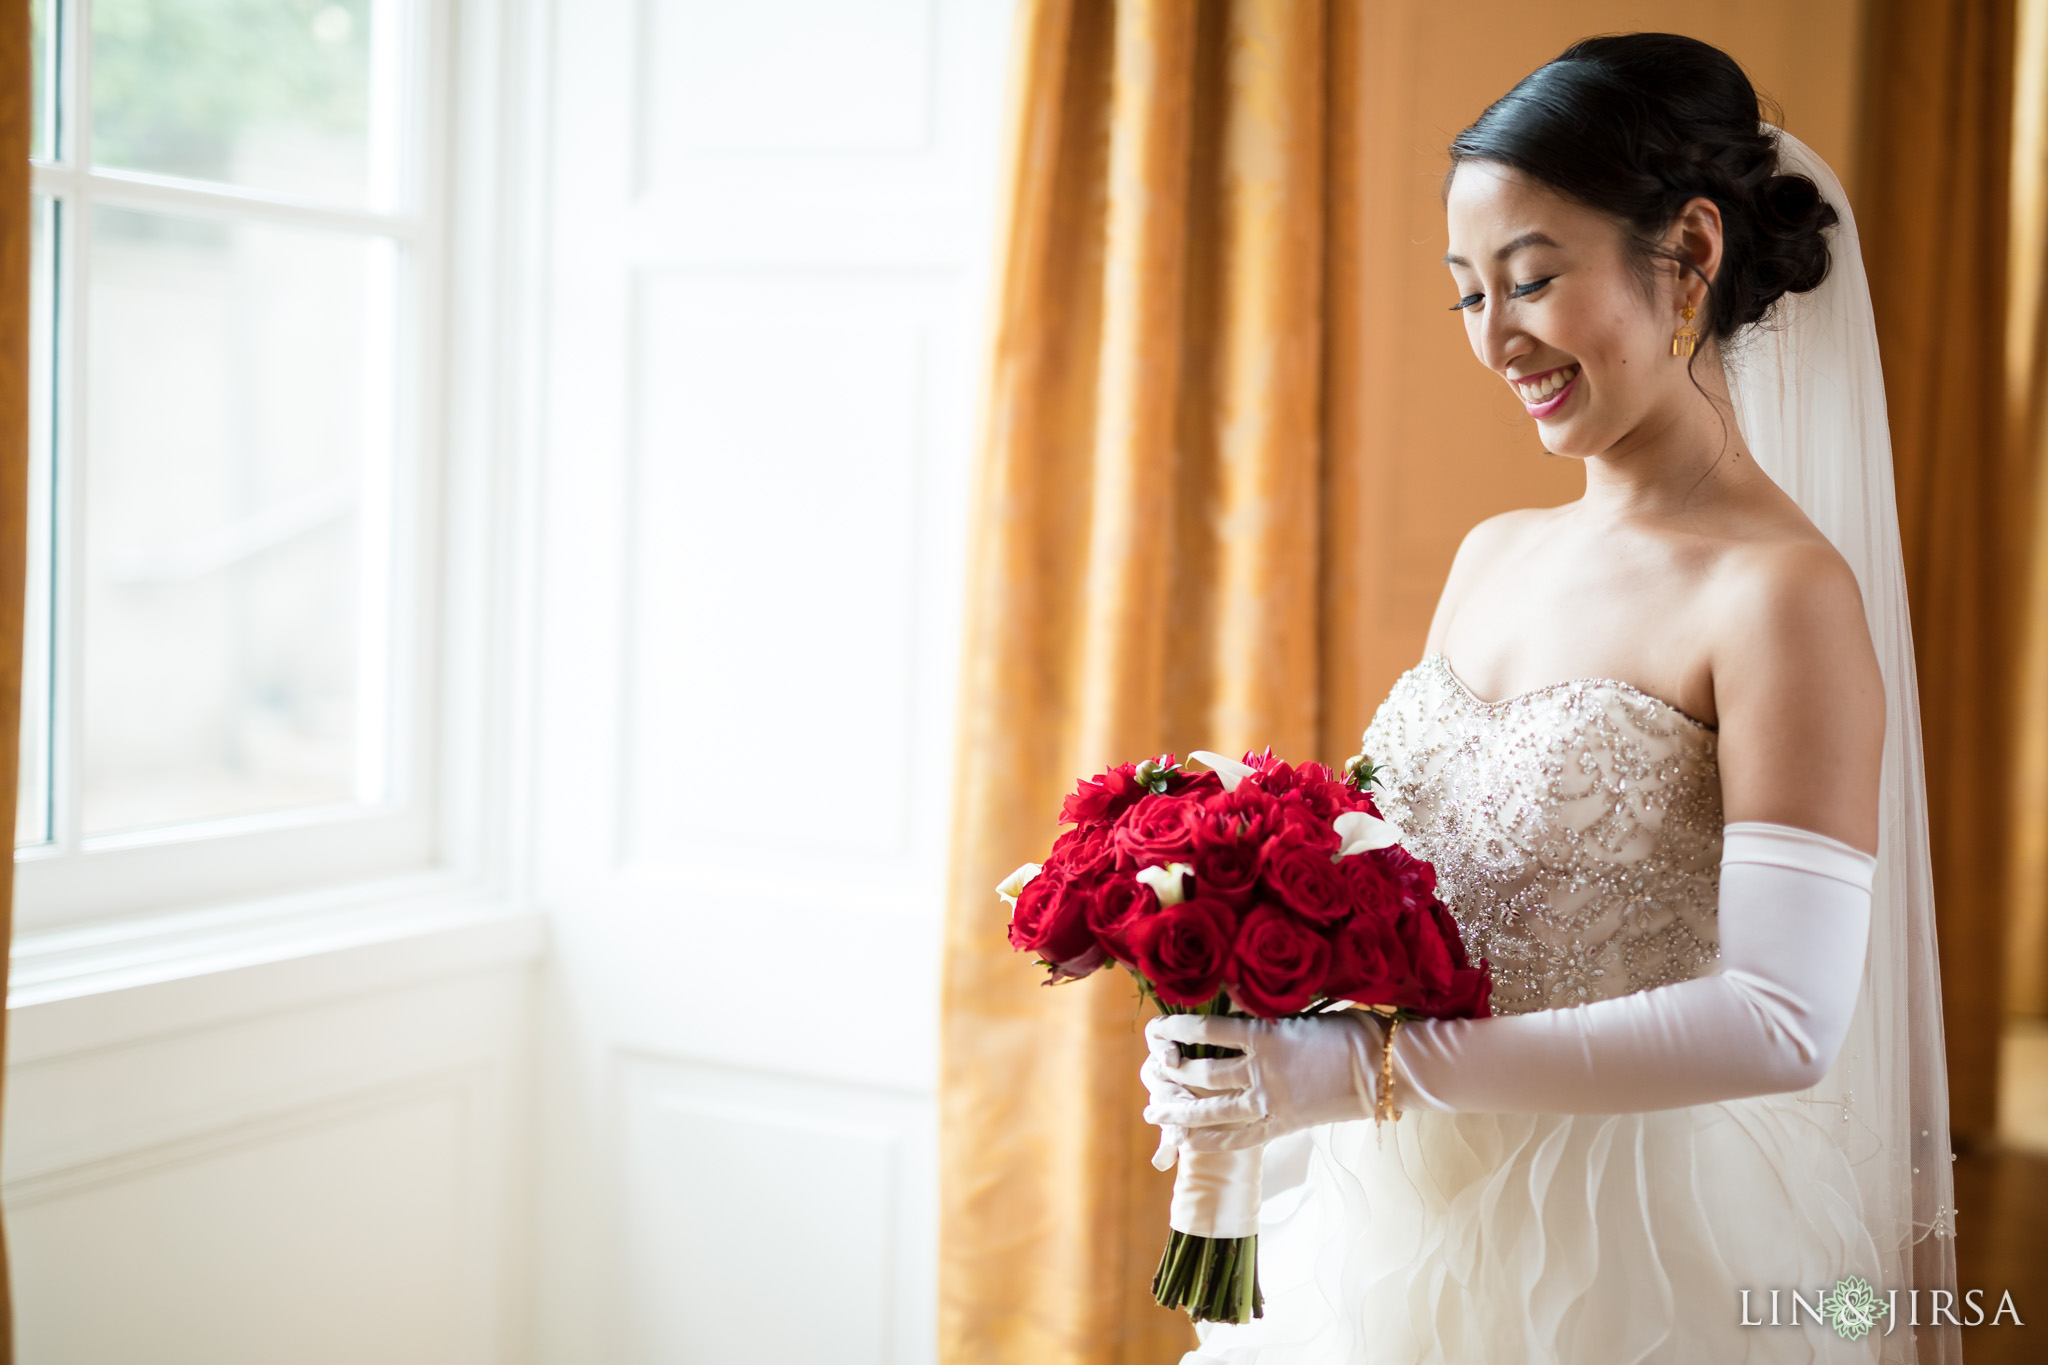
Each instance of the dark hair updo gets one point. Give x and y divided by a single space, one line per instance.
1638 125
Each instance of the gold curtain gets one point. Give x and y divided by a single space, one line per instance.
2027 406
1231 443
1931 203
15 120
1155 508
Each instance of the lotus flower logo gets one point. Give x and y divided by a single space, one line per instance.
1852 1308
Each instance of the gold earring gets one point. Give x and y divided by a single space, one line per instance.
1686 338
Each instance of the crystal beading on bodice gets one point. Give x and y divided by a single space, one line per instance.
1576 830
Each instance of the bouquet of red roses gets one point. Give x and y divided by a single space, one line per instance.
1255 889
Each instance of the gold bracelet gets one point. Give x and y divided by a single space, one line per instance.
1384 1109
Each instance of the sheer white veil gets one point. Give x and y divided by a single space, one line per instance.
1809 396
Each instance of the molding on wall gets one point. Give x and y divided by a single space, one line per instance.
464 1083
74 990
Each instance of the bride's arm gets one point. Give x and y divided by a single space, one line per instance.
1795 917
1797 691
1801 732
1795 913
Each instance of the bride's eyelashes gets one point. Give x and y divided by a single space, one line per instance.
1520 291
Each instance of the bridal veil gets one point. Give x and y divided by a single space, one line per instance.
1809 396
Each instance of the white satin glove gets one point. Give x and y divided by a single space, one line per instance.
1794 925
1294 1074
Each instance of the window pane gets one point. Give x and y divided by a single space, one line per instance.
32 794
42 17
270 94
238 428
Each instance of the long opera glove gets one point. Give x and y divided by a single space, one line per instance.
1794 925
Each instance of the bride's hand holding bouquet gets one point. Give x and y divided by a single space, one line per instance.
1254 904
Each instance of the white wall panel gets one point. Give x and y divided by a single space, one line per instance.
768 259
99 1101
769 1218
336 1240
322 1180
780 431
783 76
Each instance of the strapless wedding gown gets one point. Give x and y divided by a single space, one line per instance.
1576 832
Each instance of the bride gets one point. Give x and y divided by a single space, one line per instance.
1663 749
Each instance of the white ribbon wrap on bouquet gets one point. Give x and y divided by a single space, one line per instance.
1216 1194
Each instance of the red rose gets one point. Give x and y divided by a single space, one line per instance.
1051 918
1183 950
1228 872
1368 963
1320 792
1305 881
1428 951
1192 786
1443 984
1296 822
1083 852
1462 991
1245 815
1114 907
1099 800
1274 778
1469 995
1447 928
1226 829
1259 762
1372 889
1280 963
1415 878
1155 832
1077 968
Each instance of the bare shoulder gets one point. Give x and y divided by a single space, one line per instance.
1796 687
1790 598
1501 533
1486 545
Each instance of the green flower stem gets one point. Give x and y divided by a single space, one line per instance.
1212 1279
1215 1279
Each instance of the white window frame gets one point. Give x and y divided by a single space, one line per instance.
440 821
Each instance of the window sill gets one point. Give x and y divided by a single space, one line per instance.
76 989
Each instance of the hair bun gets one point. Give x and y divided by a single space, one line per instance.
1638 125
1791 251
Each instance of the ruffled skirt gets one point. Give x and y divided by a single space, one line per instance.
1562 1240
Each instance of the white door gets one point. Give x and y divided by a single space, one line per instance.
767 256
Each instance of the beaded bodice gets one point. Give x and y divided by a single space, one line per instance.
1576 830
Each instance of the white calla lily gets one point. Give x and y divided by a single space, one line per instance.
1168 883
1012 886
1362 833
1229 769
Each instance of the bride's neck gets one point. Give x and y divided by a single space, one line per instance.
1676 456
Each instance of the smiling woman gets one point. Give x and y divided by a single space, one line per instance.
1664 833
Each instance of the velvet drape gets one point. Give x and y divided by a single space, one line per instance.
1931 200
1156 519
16 85
2027 408
1225 460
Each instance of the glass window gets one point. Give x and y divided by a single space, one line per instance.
32 797
235 373
226 277
42 143
271 95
